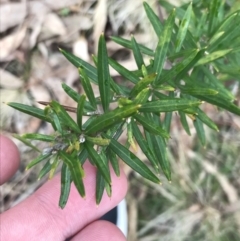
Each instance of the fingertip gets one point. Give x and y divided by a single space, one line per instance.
100 231
9 159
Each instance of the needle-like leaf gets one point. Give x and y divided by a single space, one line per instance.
154 19
123 71
68 121
200 130
37 160
133 161
100 186
162 47
26 142
168 105
99 162
183 28
30 110
65 185
108 119
87 87
39 137
103 73
137 53
77 62
127 44
144 145
76 171
80 110
150 126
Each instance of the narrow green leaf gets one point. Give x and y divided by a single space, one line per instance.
184 72
123 71
37 160
30 110
98 140
56 123
91 71
100 185
161 96
216 37
54 166
127 44
87 87
26 142
148 137
83 156
142 96
130 138
144 146
94 58
68 121
161 154
217 85
108 189
183 28
213 56
117 130
206 120
103 73
142 84
45 170
225 30
227 23
154 19
201 24
65 185
190 111
76 171
198 90
80 110
144 71
114 161
150 126
200 131
232 69
168 105
111 118
184 122
98 161
133 161
181 55
159 147
70 92
123 101
220 101
213 14
39 137
167 121
162 47
75 96
137 53
164 87
108 186
178 68
168 117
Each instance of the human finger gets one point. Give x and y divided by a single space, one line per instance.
40 218
100 231
9 159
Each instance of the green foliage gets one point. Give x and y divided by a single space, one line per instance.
200 43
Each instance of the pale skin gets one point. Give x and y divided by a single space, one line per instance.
40 218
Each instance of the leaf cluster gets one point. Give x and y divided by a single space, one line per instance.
199 42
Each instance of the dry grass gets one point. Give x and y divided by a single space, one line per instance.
202 202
